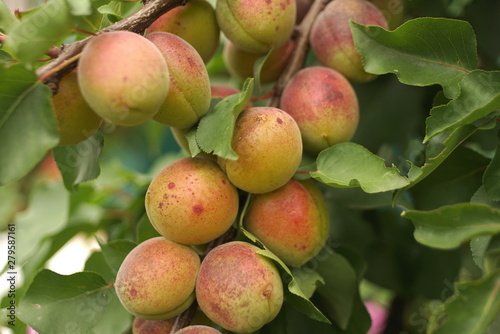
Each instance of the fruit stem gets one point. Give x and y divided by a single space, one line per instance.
185 318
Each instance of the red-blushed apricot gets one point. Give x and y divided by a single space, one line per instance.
239 289
292 221
256 25
143 326
331 38
75 119
268 143
123 77
324 105
157 279
240 63
195 23
393 11
191 201
189 95
198 329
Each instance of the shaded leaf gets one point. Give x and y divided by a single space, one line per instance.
59 304
80 162
145 230
491 178
421 52
449 226
257 69
471 309
216 128
479 96
115 251
348 165
7 19
28 126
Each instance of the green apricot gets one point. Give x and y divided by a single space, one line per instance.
75 119
239 289
292 221
123 77
195 23
269 146
189 95
256 26
157 279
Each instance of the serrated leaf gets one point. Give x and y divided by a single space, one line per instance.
421 52
471 309
216 128
194 150
491 177
36 34
348 165
115 251
479 96
451 225
7 19
28 127
59 304
80 162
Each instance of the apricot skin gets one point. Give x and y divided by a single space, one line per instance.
189 95
191 201
157 279
291 221
239 289
198 330
240 63
324 105
123 77
195 23
143 326
331 38
268 143
75 119
256 25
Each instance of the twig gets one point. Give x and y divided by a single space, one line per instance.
302 45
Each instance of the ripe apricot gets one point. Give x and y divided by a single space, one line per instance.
143 326
198 329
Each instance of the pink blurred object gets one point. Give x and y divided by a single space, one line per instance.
31 331
378 314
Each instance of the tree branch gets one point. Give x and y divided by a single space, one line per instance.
302 46
137 22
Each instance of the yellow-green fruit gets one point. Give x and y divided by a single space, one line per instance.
256 25
189 95
269 146
194 22
292 221
331 38
324 105
239 289
191 201
75 119
123 77
241 63
143 326
157 279
198 330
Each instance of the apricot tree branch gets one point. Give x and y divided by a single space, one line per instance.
302 46
136 22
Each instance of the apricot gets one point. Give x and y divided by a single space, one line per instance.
191 201
255 25
157 278
268 143
324 105
331 38
198 329
292 221
239 289
143 326
123 77
195 23
240 63
75 119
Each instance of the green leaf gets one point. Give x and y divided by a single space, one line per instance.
80 7
348 165
28 127
491 177
145 229
79 162
59 304
421 52
216 128
257 69
194 150
37 33
449 226
470 310
7 19
307 279
115 252
479 96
